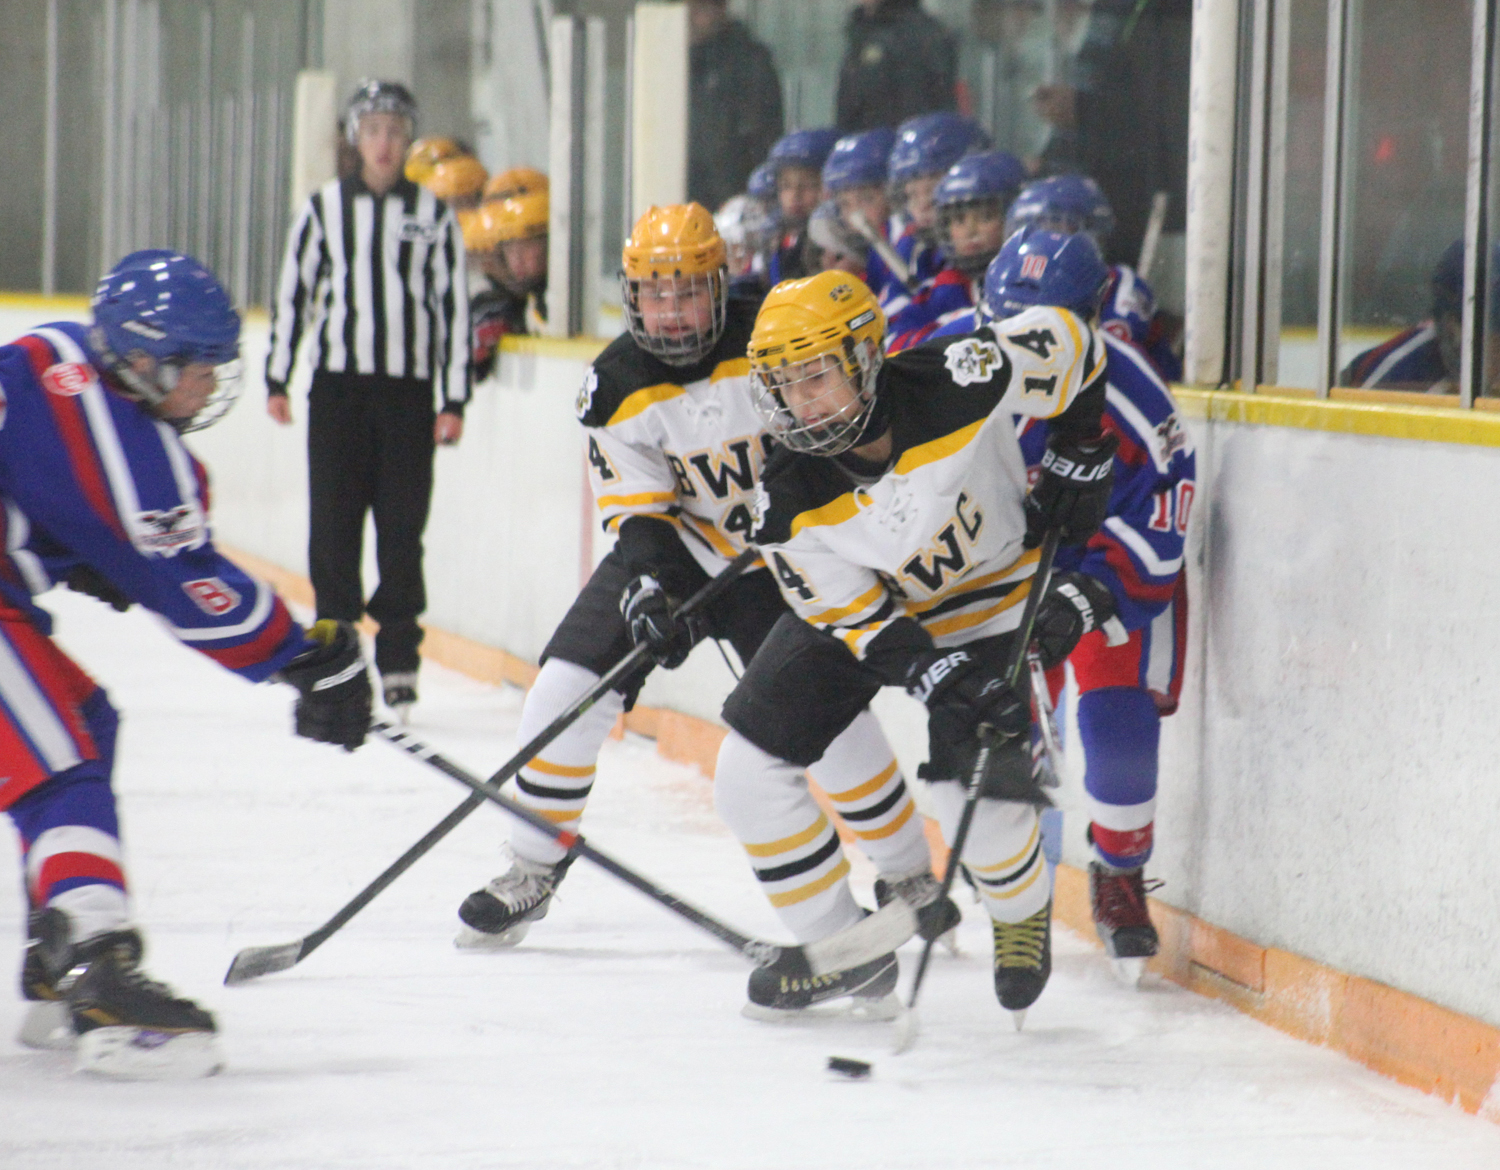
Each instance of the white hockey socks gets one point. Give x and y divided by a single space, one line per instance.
1003 853
556 783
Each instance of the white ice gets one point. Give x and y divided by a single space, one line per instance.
612 1037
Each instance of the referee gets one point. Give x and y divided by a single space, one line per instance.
374 281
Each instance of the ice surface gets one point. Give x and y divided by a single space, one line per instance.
612 1037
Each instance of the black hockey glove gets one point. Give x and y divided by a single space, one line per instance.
1076 604
87 579
334 686
965 692
653 622
1072 493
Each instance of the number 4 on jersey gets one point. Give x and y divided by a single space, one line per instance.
790 579
1039 341
600 462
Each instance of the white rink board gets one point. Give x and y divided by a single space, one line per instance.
1327 787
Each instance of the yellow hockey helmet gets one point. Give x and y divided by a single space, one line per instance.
456 179
477 237
674 283
521 217
515 181
814 356
426 153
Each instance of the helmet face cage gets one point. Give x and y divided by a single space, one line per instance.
831 434
379 97
676 295
152 389
975 264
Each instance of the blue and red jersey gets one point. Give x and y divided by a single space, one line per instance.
1138 553
923 261
1129 311
89 477
1412 360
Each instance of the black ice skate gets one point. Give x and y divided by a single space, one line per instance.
937 918
500 914
399 689
47 1023
1122 920
869 987
1023 961
125 1024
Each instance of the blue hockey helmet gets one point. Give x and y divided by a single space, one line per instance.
803 148
859 160
929 144
157 311
995 174
1039 267
762 182
1063 203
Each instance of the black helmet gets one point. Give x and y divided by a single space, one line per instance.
379 97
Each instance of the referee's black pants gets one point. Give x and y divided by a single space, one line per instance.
369 449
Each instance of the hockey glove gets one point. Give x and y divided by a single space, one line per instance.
1072 493
964 692
87 579
1076 604
653 622
334 686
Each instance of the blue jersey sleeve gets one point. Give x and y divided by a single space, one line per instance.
92 478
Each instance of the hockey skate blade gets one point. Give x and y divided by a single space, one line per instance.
1130 972
1018 1019
47 1025
142 1054
887 1007
908 1026
877 934
469 939
253 962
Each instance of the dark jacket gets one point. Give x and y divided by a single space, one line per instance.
898 62
735 112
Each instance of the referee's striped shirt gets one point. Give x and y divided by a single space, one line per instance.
379 284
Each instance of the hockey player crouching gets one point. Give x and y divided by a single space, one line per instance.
97 489
675 448
898 526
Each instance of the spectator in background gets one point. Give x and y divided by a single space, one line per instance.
899 62
734 113
1122 116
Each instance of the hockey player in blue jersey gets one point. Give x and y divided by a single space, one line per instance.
1127 583
971 201
1074 203
855 179
798 160
926 146
97 490
1425 358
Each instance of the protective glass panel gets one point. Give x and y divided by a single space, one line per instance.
1406 157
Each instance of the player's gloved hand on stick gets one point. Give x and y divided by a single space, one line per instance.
87 579
963 691
654 622
1072 493
333 685
1076 604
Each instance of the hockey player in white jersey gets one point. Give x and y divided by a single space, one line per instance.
899 527
675 448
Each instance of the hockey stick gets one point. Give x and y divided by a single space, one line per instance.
253 962
876 935
1046 720
906 1026
883 249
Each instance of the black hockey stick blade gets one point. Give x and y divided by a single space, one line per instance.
256 961
875 935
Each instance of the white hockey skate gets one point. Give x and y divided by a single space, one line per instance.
399 689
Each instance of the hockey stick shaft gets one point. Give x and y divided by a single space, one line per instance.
256 961
987 740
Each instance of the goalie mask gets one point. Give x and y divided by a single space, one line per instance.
674 283
814 357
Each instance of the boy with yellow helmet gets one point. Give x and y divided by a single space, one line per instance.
506 239
457 181
426 153
674 448
897 522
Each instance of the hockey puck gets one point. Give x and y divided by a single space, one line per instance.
854 1070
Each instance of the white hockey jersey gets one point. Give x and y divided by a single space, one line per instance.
684 445
938 536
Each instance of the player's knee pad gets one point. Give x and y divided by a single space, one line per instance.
1120 729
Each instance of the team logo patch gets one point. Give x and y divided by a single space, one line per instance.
1117 329
66 379
760 506
1171 436
412 231
585 400
211 595
972 360
1033 266
168 532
